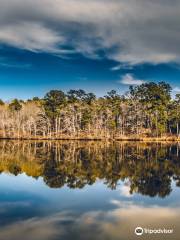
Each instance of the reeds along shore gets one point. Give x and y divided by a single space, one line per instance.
147 112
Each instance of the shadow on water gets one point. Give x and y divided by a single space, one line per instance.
149 168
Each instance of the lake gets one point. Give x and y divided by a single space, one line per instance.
88 190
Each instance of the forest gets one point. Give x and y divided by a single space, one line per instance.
145 111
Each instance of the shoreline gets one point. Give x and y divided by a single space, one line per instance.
122 139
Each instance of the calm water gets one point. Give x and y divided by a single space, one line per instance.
88 190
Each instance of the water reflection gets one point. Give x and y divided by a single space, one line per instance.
148 169
117 224
88 190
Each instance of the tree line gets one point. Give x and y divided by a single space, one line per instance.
147 110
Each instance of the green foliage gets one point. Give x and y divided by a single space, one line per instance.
53 102
1 102
174 114
152 93
146 110
80 95
15 105
155 99
36 99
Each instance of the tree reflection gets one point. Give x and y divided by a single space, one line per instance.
149 168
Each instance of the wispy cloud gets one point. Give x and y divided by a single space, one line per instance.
31 36
129 79
8 63
122 66
14 65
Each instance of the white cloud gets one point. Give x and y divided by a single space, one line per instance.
36 228
176 89
133 32
125 191
31 36
128 79
117 223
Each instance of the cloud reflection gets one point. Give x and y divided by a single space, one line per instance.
115 224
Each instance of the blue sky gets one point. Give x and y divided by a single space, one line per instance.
95 45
